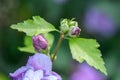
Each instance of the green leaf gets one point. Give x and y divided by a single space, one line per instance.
3 77
87 50
34 27
29 44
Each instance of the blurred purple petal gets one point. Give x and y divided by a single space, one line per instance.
33 75
86 72
40 61
52 76
57 75
19 73
97 22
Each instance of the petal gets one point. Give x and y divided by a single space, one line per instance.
40 61
86 72
29 75
52 76
33 75
18 73
57 75
38 75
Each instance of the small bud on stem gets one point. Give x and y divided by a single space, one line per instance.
75 31
39 42
70 28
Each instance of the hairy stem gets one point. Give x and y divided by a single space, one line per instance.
58 45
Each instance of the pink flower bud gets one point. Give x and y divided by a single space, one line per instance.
39 42
74 31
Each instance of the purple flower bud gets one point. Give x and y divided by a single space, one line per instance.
39 42
38 67
75 31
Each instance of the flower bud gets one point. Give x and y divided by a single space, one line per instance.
69 27
39 42
64 25
75 31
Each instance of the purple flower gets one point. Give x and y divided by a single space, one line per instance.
86 72
38 67
97 22
39 42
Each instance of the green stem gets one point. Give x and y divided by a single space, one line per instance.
58 45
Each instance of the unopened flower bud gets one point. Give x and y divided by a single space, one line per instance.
75 31
70 28
39 42
64 25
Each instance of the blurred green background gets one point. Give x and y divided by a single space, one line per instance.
14 11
